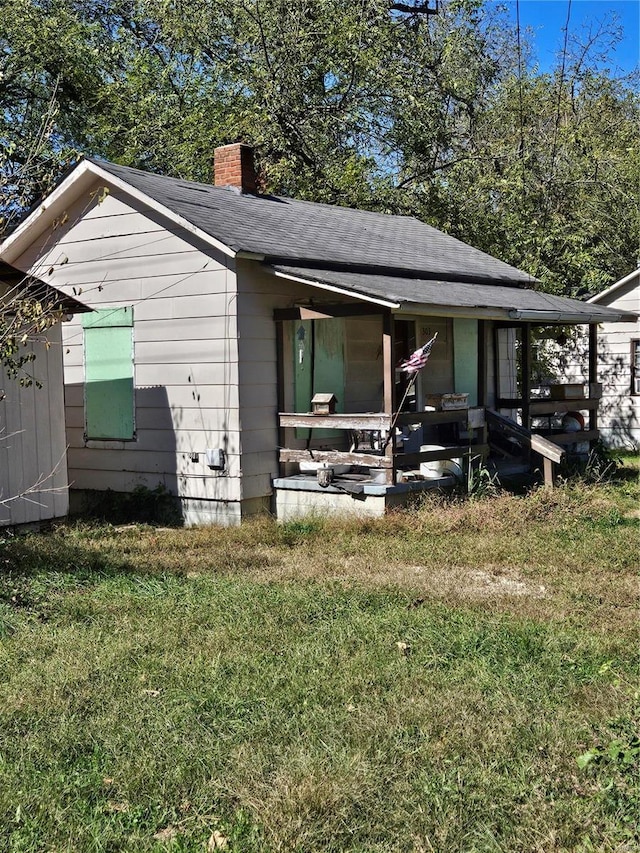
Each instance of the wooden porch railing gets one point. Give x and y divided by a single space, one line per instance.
544 407
525 440
389 458
504 434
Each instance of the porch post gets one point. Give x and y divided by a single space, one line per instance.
388 386
482 376
482 363
280 388
593 370
496 366
526 374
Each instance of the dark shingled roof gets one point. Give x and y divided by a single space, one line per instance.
440 294
394 258
30 287
305 232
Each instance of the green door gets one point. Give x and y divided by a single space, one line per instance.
318 357
465 358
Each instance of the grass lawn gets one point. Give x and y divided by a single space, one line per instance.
456 678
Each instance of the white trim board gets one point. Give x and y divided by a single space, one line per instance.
360 297
614 287
84 174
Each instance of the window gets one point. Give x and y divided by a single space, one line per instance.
108 366
635 367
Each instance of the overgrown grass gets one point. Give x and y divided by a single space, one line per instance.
457 678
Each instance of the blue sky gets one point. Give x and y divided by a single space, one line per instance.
547 19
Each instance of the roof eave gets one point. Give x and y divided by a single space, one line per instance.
21 286
571 317
69 189
342 291
615 287
314 267
44 213
437 310
539 317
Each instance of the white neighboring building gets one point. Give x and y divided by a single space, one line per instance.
619 365
34 484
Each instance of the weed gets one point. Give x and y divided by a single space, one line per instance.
601 466
297 530
481 482
615 767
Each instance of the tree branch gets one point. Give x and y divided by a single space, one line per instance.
418 9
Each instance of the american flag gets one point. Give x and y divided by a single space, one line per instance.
419 358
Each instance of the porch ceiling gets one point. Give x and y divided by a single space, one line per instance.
432 296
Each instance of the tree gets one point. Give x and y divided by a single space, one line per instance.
51 63
27 311
368 103
557 196
319 87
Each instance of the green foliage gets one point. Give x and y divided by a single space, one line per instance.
162 689
555 195
602 465
24 321
615 767
296 531
355 103
50 67
481 481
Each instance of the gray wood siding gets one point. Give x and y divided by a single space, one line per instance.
32 441
619 412
437 375
258 295
115 252
620 409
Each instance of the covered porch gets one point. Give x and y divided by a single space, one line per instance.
478 401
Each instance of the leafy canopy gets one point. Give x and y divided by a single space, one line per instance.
357 102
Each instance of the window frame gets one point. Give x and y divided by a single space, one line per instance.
100 320
635 366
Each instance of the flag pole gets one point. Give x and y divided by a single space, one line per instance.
410 385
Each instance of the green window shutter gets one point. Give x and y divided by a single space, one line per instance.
108 364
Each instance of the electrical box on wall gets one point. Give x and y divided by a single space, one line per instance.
215 459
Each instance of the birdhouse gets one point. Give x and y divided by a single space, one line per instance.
324 404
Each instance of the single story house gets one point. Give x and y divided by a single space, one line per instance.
219 313
33 448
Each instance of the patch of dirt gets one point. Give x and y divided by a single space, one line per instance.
481 583
436 582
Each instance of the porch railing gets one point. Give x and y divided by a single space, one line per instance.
488 430
546 407
388 457
519 441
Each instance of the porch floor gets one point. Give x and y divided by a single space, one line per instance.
359 484
358 494
349 494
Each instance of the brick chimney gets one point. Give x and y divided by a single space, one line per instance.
233 166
